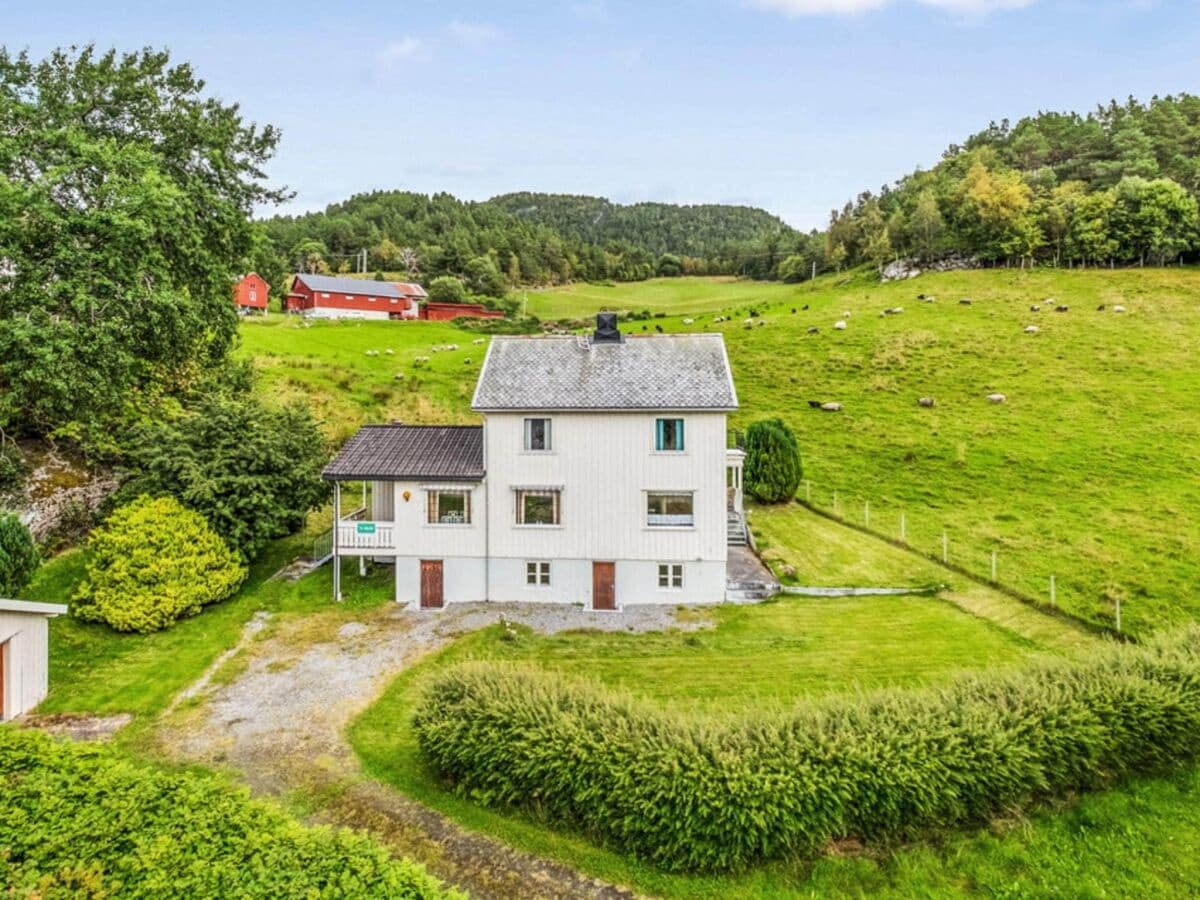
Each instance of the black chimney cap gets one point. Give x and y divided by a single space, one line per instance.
606 329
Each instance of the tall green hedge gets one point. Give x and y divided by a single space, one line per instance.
79 821
773 469
697 794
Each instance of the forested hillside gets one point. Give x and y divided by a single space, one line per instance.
702 232
526 238
1117 186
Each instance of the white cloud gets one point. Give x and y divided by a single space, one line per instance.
854 7
409 48
475 34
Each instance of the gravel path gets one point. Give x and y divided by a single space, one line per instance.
280 721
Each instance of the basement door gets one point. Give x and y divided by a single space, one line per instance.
431 584
604 590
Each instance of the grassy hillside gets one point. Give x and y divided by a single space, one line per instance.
1086 473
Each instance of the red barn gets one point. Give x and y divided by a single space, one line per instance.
443 312
329 297
250 292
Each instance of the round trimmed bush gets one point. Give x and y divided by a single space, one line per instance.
152 563
447 289
773 469
18 555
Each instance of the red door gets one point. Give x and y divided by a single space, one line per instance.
604 589
431 584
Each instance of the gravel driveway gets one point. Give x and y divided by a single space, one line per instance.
280 721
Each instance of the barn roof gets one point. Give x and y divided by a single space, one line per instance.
411 289
404 452
365 286
668 371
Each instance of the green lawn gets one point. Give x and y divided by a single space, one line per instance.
678 296
94 669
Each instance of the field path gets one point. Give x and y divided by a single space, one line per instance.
279 720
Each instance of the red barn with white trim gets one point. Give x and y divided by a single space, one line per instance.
329 297
250 292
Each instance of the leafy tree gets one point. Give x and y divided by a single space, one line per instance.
1152 218
253 471
125 201
927 223
669 266
447 289
879 249
18 555
152 563
484 278
773 469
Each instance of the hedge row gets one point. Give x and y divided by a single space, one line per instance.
697 794
78 820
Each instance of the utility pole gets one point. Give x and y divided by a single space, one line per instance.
814 274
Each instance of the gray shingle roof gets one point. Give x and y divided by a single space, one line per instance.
669 371
364 286
402 452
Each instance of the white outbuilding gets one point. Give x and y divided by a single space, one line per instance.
24 654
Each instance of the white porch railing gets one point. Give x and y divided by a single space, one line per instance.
365 535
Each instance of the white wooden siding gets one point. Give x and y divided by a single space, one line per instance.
26 675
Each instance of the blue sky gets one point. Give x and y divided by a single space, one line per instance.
793 105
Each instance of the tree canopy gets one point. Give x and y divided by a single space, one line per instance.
125 201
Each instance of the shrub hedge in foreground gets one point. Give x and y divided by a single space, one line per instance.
78 820
696 794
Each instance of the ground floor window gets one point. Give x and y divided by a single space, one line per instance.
449 508
671 508
537 573
670 575
538 507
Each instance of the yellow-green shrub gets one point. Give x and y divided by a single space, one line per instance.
695 793
154 562
80 821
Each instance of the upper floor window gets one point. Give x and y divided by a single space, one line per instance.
538 507
253 294
449 508
537 434
668 435
672 508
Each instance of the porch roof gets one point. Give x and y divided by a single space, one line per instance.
410 452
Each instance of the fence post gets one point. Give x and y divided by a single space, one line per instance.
945 548
1118 615
903 530
993 567
867 514
1052 592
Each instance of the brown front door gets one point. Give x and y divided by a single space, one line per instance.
604 589
431 584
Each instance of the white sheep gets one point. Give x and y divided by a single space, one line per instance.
1118 308
688 321
1031 329
996 398
479 340
839 325
389 351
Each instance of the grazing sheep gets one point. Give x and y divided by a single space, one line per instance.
840 325
749 321
895 310
479 341
846 314
926 402
814 404
658 328
1062 307
762 322
1031 329
688 321
793 310
1035 308
1118 308
467 361
399 376
390 352
920 296
372 353
1100 308
831 407
805 307
996 398
452 346
966 301
813 329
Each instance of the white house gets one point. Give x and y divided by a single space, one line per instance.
599 476
24 654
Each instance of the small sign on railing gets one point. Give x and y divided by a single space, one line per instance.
365 527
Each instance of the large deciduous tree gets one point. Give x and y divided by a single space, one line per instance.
125 200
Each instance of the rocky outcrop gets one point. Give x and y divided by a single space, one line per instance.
903 269
58 486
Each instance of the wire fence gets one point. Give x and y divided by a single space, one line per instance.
990 560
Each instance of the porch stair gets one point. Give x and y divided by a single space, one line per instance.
735 530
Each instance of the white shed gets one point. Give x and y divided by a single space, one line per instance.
24 654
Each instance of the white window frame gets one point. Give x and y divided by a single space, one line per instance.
537 573
555 495
548 435
664 520
670 576
432 508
